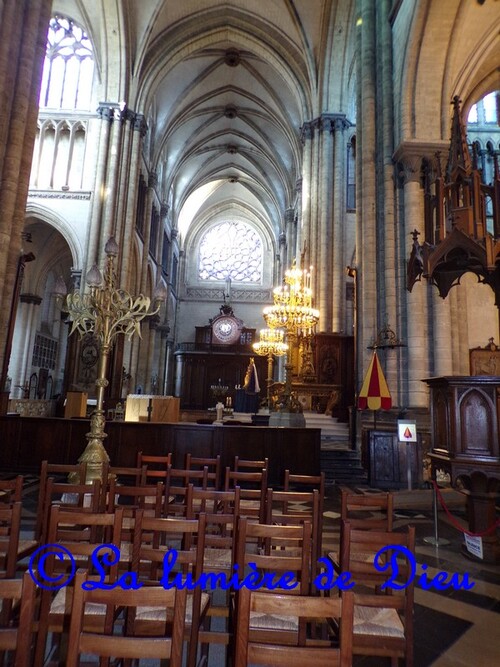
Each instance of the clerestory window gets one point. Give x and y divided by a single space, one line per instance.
69 67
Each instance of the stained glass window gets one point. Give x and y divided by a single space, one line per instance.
231 250
69 67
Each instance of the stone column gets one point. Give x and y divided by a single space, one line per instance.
152 182
416 354
95 232
311 256
114 163
23 38
340 124
366 237
324 256
128 221
304 226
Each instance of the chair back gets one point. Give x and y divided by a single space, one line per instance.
121 642
276 550
10 527
305 650
16 634
248 465
11 490
372 511
212 464
383 613
59 472
253 487
288 508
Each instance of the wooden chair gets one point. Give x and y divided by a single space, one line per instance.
303 651
221 510
383 619
178 481
80 533
171 551
253 487
372 511
11 490
16 634
281 564
297 482
211 463
127 475
79 497
288 508
247 465
59 472
10 527
156 467
113 642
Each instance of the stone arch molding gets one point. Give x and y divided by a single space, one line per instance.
59 223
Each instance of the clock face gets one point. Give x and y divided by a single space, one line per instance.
226 330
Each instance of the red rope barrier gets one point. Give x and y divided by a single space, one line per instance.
489 530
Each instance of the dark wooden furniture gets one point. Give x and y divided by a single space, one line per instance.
388 460
334 362
465 443
27 441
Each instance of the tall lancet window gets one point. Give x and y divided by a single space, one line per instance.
231 250
69 67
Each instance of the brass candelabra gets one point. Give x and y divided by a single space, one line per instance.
106 311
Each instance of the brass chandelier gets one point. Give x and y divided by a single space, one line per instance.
270 344
293 312
292 309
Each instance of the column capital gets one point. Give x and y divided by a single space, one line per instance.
409 156
289 215
164 209
111 111
152 179
140 124
307 131
76 278
298 185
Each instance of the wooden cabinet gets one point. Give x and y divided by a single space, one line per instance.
388 460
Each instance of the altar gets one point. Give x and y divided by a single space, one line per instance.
151 408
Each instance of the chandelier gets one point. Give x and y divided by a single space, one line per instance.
292 309
271 344
106 311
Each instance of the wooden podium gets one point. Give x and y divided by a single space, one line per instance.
152 408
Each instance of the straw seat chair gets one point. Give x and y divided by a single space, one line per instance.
171 550
79 533
303 651
16 629
118 639
372 511
383 615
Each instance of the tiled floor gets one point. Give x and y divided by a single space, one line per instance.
453 628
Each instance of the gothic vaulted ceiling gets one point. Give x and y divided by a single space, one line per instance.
225 87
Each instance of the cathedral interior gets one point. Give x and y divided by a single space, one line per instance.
212 166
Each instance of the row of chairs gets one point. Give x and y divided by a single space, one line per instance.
117 638
218 543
